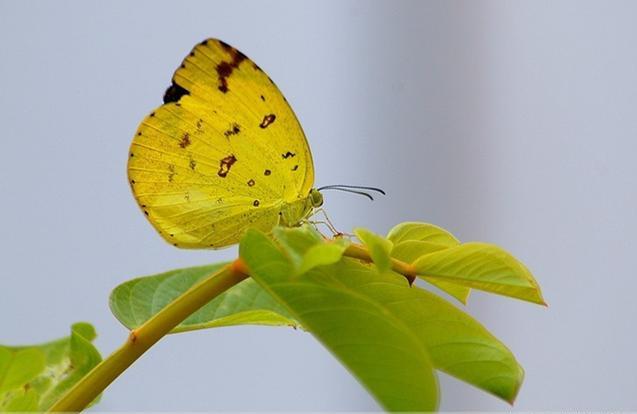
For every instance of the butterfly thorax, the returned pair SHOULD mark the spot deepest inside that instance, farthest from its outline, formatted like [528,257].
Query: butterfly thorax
[292,214]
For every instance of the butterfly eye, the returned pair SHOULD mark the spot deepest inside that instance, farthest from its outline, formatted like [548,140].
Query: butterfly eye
[316,198]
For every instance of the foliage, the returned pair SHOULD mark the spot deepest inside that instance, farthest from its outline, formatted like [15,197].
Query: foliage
[33,377]
[391,336]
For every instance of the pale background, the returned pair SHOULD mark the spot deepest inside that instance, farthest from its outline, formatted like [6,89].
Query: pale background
[508,122]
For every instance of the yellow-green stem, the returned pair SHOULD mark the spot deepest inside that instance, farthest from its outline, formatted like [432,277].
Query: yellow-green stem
[145,336]
[357,251]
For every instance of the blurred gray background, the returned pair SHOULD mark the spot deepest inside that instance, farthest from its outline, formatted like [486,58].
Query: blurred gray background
[507,122]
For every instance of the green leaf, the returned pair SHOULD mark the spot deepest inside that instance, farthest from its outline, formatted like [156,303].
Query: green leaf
[32,378]
[379,248]
[309,251]
[369,319]
[136,301]
[323,254]
[302,238]
[481,266]
[413,240]
[375,346]
[424,232]
[457,343]
[22,403]
[19,366]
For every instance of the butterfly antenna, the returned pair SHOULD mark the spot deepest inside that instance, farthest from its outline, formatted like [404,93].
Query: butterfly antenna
[347,190]
[356,187]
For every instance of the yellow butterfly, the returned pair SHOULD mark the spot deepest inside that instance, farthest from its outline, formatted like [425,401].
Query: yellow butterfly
[223,153]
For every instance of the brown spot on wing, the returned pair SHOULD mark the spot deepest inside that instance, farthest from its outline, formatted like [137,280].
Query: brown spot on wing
[267,172]
[185,140]
[288,155]
[250,182]
[267,120]
[225,69]
[233,130]
[225,165]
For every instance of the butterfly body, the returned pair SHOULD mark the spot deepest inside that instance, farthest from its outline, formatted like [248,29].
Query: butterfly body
[293,213]
[223,153]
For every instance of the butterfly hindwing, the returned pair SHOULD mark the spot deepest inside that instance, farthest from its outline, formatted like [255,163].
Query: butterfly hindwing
[223,153]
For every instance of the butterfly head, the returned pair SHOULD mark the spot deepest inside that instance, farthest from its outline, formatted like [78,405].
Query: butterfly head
[316,198]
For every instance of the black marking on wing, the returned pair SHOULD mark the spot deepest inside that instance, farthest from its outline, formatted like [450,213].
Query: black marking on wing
[174,93]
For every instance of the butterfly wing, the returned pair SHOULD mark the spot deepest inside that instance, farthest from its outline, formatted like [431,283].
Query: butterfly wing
[225,152]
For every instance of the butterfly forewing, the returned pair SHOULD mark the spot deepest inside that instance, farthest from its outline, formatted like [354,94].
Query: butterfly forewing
[222,154]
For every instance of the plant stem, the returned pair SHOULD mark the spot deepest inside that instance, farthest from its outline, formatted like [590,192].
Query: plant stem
[357,251]
[159,325]
[145,336]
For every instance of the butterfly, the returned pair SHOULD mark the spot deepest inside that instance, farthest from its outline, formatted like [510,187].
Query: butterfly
[223,153]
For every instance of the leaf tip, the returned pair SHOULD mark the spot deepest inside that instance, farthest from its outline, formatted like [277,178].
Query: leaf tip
[516,390]
[85,330]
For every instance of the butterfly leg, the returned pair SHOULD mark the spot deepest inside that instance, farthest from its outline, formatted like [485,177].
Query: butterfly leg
[316,224]
[328,223]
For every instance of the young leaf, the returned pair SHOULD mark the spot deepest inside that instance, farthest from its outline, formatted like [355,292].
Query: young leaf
[413,240]
[424,232]
[33,377]
[481,266]
[302,238]
[322,254]
[310,248]
[379,247]
[135,301]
